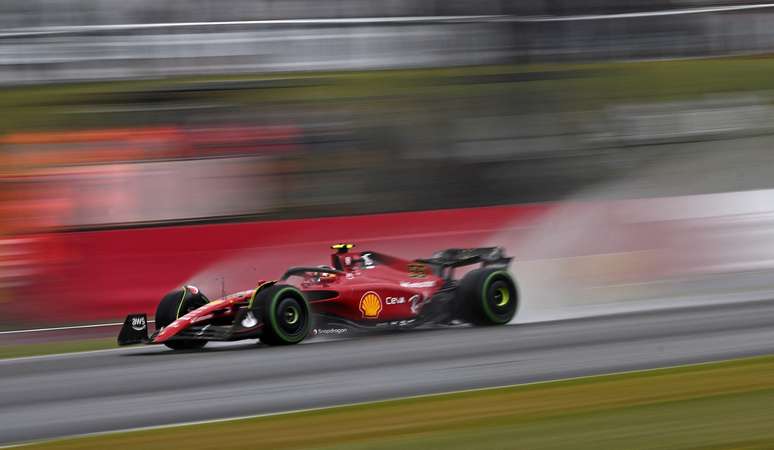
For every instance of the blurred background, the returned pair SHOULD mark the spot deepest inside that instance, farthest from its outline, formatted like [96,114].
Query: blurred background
[619,149]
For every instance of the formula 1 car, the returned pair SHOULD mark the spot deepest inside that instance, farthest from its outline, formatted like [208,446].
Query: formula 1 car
[359,291]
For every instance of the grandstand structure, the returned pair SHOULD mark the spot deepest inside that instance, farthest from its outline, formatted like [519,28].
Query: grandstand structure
[48,40]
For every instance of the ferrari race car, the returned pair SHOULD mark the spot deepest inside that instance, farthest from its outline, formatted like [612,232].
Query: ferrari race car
[359,291]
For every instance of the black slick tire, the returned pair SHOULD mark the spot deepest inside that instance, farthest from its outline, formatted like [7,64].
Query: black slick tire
[487,296]
[175,305]
[286,314]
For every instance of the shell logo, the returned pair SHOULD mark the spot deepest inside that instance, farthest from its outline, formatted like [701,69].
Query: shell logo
[370,305]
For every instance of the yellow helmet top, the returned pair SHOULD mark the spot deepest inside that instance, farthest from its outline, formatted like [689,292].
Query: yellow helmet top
[342,247]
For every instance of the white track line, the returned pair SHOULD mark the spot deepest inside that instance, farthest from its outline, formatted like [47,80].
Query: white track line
[11,32]
[337,21]
[373,402]
[635,15]
[73,327]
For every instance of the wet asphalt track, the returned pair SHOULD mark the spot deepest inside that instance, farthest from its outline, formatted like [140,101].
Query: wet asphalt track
[53,396]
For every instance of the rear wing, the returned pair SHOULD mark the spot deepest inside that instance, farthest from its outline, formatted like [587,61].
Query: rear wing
[448,259]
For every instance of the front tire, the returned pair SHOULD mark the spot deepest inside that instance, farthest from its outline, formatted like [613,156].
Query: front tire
[286,315]
[175,305]
[487,296]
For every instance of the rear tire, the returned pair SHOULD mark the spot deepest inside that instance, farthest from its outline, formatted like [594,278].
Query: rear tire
[487,296]
[286,315]
[175,305]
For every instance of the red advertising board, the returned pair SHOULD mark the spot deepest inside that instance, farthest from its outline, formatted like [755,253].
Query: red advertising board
[103,275]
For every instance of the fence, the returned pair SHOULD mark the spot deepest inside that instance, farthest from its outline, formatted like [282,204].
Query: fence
[145,49]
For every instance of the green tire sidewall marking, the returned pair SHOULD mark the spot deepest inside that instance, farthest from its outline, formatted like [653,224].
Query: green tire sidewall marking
[273,316]
[180,305]
[487,310]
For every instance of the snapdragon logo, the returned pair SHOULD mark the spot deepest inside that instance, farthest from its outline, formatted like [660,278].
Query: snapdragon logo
[329,331]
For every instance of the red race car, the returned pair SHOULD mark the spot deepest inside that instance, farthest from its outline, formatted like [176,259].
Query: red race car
[359,291]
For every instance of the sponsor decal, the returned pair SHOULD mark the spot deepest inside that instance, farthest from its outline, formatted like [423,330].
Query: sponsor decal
[416,304]
[138,323]
[416,270]
[417,284]
[328,331]
[395,300]
[370,305]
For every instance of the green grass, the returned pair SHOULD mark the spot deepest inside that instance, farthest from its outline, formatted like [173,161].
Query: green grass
[728,405]
[48,348]
[590,86]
